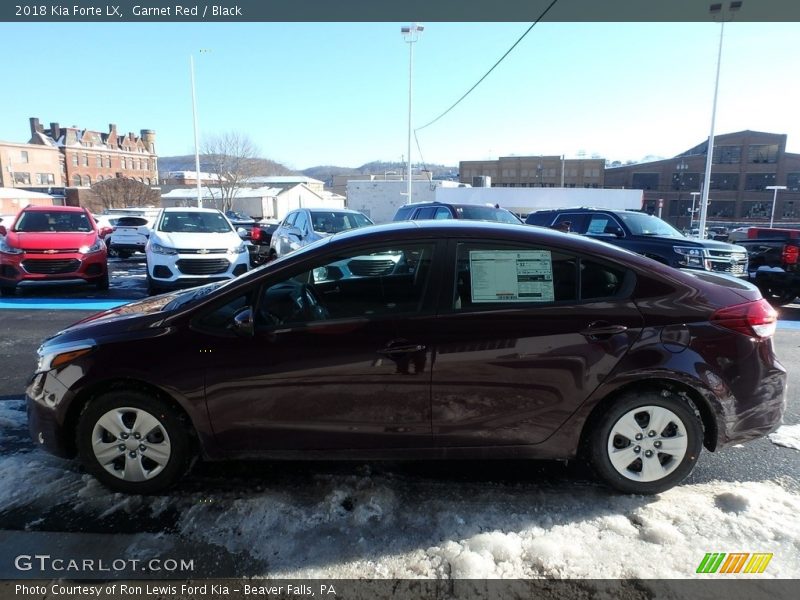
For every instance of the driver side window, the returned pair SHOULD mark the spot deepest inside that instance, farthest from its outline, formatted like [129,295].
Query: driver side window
[366,284]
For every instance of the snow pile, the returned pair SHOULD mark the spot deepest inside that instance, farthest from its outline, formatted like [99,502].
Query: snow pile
[787,436]
[13,420]
[375,527]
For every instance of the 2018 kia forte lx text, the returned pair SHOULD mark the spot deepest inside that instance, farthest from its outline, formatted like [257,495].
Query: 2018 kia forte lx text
[420,340]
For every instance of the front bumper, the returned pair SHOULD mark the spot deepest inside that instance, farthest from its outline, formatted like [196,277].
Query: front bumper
[182,270]
[47,400]
[19,268]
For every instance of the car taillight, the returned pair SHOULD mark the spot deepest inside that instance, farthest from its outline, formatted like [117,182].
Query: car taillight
[790,254]
[255,233]
[754,319]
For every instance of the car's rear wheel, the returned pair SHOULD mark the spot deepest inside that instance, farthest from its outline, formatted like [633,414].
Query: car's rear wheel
[132,442]
[778,297]
[646,443]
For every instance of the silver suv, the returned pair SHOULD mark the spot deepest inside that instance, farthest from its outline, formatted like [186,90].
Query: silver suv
[306,225]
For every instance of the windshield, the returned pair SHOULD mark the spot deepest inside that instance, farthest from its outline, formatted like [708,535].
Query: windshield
[194,222]
[641,224]
[42,221]
[329,221]
[486,213]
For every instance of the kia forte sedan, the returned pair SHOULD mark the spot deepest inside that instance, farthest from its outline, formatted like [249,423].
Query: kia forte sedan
[449,339]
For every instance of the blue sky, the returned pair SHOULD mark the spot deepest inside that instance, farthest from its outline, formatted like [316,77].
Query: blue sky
[337,93]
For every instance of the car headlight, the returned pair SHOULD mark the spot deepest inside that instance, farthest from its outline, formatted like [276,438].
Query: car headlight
[159,249]
[5,248]
[238,249]
[689,256]
[59,355]
[96,247]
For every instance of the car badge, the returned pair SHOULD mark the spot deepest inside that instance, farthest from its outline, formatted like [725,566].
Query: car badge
[51,251]
[203,251]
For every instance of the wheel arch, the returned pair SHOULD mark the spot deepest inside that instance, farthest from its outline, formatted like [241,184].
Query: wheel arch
[656,385]
[89,393]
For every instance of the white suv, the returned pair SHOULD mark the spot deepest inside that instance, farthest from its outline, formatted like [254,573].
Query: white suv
[193,246]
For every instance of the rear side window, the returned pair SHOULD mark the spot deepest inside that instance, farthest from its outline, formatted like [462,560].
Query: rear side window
[492,276]
[425,213]
[442,213]
[577,222]
[599,280]
[403,213]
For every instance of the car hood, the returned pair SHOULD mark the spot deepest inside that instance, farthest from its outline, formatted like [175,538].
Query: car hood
[188,241]
[50,240]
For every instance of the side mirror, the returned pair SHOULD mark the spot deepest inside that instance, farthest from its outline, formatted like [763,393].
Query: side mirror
[242,232]
[617,231]
[243,322]
[3,230]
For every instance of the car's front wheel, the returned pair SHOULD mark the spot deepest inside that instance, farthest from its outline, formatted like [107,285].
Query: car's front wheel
[132,442]
[646,442]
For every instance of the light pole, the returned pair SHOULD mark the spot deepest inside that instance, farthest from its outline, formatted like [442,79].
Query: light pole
[775,189]
[411,34]
[196,137]
[715,9]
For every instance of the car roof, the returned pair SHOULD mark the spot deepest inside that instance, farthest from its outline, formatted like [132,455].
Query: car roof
[322,208]
[183,209]
[54,208]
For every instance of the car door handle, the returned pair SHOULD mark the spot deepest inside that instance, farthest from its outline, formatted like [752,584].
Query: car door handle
[603,329]
[409,349]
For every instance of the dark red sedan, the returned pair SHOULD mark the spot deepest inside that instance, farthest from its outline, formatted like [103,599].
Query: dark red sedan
[420,340]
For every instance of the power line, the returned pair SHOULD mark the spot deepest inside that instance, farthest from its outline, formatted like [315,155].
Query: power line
[469,91]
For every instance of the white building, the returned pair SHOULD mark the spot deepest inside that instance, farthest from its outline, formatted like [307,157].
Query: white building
[379,199]
[266,202]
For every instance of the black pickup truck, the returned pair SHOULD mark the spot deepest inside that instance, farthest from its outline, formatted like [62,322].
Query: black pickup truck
[646,235]
[260,236]
[774,262]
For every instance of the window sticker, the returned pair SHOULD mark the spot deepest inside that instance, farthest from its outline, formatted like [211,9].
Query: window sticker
[509,276]
[597,225]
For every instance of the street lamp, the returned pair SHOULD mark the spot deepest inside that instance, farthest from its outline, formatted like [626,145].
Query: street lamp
[715,9]
[411,34]
[693,211]
[775,189]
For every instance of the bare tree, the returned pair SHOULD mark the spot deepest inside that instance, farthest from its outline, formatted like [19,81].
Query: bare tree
[122,192]
[232,158]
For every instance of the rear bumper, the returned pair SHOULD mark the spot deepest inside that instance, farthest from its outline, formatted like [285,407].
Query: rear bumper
[777,280]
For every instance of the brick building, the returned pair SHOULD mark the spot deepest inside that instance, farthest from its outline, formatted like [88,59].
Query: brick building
[744,164]
[91,156]
[31,166]
[535,171]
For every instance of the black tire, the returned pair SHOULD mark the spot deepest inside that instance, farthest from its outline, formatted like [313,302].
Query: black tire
[637,409]
[169,436]
[152,288]
[102,282]
[778,297]
[112,252]
[7,291]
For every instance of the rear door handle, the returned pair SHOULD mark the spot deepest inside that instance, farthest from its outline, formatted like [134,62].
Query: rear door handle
[604,329]
[409,349]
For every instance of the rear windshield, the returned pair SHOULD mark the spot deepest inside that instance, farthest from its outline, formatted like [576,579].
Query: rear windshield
[486,213]
[30,221]
[131,222]
[328,221]
[194,222]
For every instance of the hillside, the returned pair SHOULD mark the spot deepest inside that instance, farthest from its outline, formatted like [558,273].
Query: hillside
[266,168]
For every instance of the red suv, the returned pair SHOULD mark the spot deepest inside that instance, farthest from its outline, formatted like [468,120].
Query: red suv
[52,243]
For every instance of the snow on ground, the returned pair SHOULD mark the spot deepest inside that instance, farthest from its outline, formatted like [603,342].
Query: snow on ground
[357,521]
[787,436]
